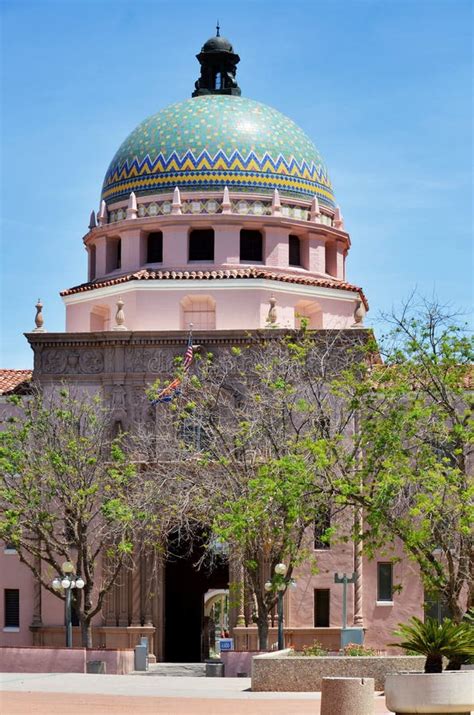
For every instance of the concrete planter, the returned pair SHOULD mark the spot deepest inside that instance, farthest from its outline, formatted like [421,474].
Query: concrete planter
[280,671]
[430,693]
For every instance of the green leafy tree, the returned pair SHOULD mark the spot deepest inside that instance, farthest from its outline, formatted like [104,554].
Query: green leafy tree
[240,434]
[409,466]
[70,492]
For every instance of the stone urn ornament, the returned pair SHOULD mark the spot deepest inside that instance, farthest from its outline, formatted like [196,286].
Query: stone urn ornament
[39,320]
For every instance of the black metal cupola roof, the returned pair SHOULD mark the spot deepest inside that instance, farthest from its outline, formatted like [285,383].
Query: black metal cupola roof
[218,67]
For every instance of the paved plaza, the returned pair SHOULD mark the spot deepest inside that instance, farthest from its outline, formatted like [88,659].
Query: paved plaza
[44,693]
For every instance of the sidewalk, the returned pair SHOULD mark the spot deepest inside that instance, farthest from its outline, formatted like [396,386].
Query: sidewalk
[44,693]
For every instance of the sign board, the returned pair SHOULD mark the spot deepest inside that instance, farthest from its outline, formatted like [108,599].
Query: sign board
[226,644]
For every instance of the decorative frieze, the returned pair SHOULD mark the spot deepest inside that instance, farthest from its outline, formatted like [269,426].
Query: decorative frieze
[210,206]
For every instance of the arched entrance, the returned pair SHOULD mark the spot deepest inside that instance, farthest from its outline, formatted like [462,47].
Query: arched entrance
[185,623]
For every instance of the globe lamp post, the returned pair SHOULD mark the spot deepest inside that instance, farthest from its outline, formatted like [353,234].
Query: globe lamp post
[68,582]
[280,584]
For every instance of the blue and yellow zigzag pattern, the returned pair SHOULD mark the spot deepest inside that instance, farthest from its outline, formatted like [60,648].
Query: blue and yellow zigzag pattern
[205,171]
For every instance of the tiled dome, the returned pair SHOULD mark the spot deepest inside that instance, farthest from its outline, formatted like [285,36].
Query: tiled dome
[212,141]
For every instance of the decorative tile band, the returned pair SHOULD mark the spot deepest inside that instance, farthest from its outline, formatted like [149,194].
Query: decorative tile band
[199,206]
[206,172]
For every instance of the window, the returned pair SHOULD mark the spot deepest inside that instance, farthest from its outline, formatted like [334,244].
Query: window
[251,246]
[200,311]
[321,607]
[321,524]
[436,607]
[114,254]
[384,582]
[201,245]
[154,247]
[331,259]
[194,436]
[12,608]
[294,251]
[218,82]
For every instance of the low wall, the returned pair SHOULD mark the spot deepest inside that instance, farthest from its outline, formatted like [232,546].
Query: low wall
[246,637]
[236,662]
[63,660]
[286,673]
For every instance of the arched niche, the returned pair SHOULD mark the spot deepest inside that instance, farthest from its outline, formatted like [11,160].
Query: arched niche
[200,310]
[308,311]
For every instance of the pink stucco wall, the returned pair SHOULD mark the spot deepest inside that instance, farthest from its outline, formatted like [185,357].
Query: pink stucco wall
[157,305]
[380,619]
[63,660]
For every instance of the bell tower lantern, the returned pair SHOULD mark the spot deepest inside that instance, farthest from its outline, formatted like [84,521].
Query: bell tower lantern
[218,67]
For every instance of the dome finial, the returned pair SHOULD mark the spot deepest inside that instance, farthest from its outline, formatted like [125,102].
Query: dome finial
[218,67]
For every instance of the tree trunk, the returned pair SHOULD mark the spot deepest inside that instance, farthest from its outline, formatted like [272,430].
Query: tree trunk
[434,664]
[86,633]
[262,625]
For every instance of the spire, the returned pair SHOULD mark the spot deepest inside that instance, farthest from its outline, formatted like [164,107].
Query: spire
[218,67]
[132,210]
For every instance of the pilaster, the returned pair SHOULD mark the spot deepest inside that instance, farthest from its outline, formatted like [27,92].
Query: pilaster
[226,244]
[132,250]
[316,255]
[276,246]
[175,245]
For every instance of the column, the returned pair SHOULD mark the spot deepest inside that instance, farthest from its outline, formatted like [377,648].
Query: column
[358,568]
[135,594]
[123,598]
[175,246]
[316,256]
[276,249]
[226,244]
[37,619]
[100,256]
[340,254]
[132,250]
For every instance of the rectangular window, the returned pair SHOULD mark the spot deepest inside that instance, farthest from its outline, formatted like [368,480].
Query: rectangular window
[321,607]
[436,606]
[12,608]
[321,524]
[251,246]
[384,582]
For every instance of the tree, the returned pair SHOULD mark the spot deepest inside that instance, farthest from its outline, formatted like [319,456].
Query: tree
[70,491]
[239,435]
[410,465]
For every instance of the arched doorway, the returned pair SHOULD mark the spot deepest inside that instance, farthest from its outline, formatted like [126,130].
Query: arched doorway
[186,585]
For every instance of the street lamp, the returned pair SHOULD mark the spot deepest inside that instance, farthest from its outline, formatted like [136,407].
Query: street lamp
[68,582]
[280,585]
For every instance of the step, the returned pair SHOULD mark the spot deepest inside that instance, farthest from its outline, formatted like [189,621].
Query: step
[177,670]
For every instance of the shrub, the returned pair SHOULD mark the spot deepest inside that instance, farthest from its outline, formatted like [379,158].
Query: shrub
[357,649]
[435,640]
[315,649]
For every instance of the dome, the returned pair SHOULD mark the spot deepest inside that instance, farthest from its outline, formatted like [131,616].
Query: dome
[213,141]
[217,44]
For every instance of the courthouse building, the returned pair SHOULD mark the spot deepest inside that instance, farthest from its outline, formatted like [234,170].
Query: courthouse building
[216,211]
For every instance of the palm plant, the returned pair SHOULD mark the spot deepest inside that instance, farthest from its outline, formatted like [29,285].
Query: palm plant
[435,640]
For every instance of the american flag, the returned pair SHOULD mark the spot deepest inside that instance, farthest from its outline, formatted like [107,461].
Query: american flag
[188,355]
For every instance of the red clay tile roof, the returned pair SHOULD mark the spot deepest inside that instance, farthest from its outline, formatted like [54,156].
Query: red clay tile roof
[218,275]
[11,380]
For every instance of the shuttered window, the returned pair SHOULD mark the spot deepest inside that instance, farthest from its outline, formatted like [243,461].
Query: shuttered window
[12,608]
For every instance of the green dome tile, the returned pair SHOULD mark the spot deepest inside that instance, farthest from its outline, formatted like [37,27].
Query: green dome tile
[214,141]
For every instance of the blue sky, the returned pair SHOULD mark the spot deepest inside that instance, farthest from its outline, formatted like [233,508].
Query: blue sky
[383,87]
